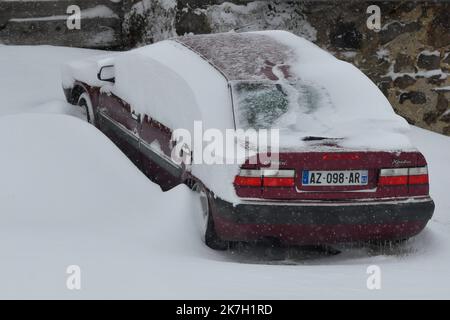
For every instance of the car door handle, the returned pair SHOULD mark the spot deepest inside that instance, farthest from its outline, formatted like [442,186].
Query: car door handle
[135,116]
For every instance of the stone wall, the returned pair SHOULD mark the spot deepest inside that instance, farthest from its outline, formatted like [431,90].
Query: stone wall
[409,58]
[45,22]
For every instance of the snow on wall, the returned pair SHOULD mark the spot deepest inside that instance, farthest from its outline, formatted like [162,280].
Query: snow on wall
[100,11]
[149,21]
[45,22]
[258,15]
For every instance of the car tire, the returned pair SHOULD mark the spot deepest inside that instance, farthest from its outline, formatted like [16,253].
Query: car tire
[208,231]
[85,102]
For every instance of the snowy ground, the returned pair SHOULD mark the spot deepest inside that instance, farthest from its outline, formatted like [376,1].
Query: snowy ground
[68,196]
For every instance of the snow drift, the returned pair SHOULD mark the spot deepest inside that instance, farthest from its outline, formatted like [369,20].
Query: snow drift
[70,197]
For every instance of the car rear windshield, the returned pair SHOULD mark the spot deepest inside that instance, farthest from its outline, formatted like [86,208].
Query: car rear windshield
[290,106]
[258,105]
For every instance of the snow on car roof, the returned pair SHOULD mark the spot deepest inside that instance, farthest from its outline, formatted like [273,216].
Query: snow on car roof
[240,56]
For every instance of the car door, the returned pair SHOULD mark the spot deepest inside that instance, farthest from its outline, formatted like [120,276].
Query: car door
[120,124]
[166,102]
[156,148]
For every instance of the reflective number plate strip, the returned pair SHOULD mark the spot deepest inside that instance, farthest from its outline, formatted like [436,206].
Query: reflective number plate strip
[335,178]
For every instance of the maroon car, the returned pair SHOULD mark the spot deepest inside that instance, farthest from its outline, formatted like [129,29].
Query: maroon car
[345,171]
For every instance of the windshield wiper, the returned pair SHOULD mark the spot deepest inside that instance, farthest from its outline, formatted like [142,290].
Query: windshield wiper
[315,138]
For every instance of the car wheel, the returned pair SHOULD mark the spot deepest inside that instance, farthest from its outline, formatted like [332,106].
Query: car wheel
[207,228]
[84,101]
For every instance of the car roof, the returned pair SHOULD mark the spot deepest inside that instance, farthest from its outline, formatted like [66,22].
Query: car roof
[241,56]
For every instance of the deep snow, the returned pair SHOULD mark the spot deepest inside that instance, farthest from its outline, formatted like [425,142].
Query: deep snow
[68,196]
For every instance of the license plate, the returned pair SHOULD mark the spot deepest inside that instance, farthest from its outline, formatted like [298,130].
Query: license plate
[335,178]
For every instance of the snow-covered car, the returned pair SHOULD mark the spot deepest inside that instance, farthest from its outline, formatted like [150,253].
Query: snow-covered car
[346,170]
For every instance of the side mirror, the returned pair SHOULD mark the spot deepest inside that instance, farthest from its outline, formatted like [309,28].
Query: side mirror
[107,73]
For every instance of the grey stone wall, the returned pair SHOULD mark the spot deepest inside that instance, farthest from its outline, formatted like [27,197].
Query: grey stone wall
[44,22]
[409,58]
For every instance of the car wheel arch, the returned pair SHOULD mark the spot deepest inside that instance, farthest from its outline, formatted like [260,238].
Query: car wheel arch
[80,88]
[77,91]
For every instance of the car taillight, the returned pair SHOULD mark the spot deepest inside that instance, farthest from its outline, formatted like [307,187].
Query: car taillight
[278,178]
[403,176]
[418,175]
[265,178]
[391,177]
[248,178]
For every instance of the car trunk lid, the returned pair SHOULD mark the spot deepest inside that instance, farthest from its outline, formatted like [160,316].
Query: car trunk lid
[369,165]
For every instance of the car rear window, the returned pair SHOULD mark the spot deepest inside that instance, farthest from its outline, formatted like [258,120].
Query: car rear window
[293,107]
[258,105]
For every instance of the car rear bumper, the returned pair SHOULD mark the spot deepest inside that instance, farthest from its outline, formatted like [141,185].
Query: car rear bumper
[321,223]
